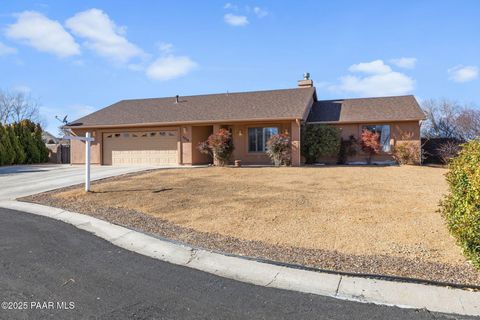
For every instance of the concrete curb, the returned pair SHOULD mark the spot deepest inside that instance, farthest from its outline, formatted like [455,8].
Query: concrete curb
[402,294]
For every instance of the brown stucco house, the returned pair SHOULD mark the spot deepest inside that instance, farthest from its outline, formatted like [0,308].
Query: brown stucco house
[166,131]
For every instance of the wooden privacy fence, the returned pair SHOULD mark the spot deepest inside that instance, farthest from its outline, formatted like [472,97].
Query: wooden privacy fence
[59,153]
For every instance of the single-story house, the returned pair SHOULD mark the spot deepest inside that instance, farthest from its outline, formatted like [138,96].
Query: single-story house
[166,131]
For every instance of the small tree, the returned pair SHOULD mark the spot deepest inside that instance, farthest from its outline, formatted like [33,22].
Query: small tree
[319,141]
[279,149]
[218,144]
[370,143]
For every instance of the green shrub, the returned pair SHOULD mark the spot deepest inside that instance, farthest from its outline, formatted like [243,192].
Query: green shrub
[348,148]
[279,149]
[319,141]
[407,152]
[461,207]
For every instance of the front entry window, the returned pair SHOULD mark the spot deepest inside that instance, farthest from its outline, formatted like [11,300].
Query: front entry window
[258,137]
[384,133]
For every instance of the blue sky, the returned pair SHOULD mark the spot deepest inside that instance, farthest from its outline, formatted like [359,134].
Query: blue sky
[79,56]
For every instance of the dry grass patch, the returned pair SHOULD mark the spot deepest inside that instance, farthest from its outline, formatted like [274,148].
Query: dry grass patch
[374,211]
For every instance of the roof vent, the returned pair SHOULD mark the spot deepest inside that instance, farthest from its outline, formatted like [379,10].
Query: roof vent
[306,82]
[176,98]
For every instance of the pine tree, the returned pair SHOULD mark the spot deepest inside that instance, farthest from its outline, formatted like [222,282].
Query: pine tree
[16,145]
[42,148]
[9,152]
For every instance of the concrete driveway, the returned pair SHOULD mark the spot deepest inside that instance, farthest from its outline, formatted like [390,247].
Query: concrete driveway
[23,180]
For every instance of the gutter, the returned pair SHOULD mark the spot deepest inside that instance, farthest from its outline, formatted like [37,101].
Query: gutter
[155,124]
[363,121]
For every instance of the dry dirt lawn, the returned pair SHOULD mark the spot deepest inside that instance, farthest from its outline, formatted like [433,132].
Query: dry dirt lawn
[381,220]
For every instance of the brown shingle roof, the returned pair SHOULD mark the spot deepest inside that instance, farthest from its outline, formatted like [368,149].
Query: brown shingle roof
[257,105]
[400,108]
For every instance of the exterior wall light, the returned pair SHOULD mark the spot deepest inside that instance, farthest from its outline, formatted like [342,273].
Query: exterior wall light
[240,132]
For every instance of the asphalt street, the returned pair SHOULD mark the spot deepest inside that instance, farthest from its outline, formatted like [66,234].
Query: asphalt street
[55,271]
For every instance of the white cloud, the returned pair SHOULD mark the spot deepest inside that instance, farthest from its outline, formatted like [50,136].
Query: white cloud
[165,47]
[407,63]
[231,6]
[235,20]
[103,36]
[463,73]
[170,67]
[38,31]
[6,50]
[373,67]
[259,12]
[379,81]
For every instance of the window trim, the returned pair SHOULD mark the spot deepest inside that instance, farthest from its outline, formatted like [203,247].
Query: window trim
[247,137]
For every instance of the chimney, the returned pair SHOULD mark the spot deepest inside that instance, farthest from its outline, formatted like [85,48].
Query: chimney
[306,82]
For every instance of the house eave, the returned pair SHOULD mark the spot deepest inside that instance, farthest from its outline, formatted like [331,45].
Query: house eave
[178,123]
[362,121]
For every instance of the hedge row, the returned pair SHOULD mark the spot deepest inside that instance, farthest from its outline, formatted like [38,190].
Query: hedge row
[461,207]
[21,143]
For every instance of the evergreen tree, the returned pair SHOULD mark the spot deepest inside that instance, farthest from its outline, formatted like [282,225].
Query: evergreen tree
[16,145]
[9,152]
[42,148]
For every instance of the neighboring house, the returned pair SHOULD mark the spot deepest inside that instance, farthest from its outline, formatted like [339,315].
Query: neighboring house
[166,131]
[58,148]
[49,138]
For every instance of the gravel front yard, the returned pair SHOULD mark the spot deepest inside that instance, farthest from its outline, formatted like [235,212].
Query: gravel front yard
[381,220]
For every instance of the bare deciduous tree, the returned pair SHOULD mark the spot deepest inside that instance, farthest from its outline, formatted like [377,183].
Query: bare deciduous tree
[468,122]
[17,106]
[441,118]
[449,119]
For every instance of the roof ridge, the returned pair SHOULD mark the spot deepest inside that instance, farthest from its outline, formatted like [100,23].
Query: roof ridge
[218,94]
[384,97]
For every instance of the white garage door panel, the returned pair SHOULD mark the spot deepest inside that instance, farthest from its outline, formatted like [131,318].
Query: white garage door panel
[140,148]
[152,157]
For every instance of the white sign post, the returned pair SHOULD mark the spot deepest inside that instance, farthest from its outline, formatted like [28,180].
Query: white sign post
[88,140]
[87,161]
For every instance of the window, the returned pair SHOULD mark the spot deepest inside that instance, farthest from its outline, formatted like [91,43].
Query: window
[258,137]
[384,132]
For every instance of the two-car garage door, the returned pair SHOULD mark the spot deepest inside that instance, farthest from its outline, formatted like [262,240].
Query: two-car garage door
[140,148]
